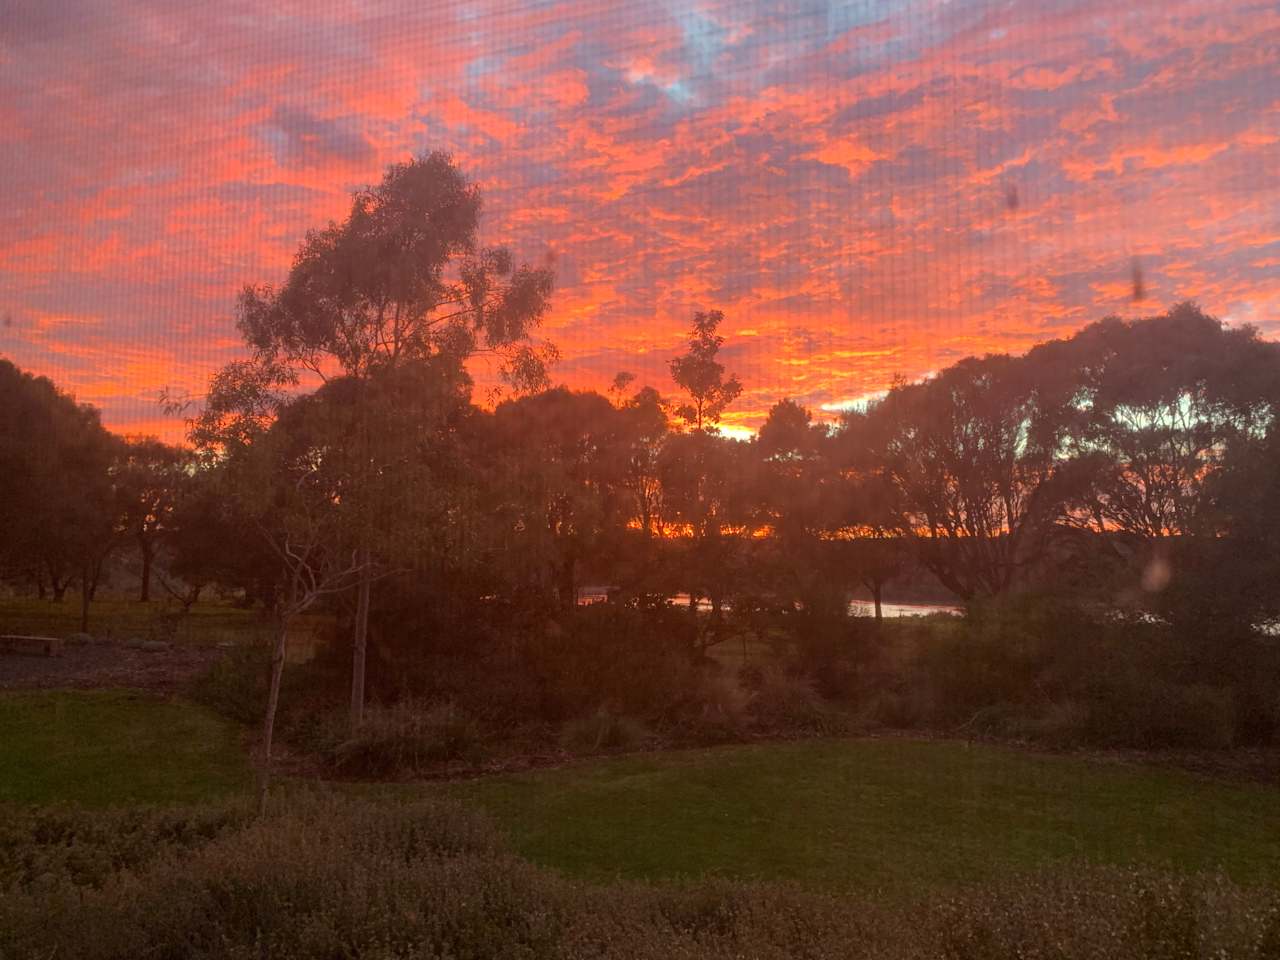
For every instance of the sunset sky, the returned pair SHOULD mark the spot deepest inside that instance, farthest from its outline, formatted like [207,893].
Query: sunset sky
[866,187]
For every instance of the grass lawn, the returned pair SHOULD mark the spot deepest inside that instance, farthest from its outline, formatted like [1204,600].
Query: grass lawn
[875,815]
[878,816]
[110,748]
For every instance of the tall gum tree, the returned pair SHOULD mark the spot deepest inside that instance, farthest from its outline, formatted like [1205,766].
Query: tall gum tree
[402,279]
[58,498]
[971,456]
[288,468]
[697,483]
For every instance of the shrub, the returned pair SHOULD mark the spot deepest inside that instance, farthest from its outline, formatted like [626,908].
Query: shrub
[1063,723]
[1103,913]
[512,666]
[903,706]
[637,661]
[603,731]
[46,849]
[407,739]
[784,703]
[1152,713]
[236,684]
[994,660]
[322,878]
[1053,672]
[720,712]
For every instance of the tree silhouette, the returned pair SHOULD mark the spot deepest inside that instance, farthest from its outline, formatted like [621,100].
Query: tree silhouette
[972,458]
[401,280]
[58,505]
[701,375]
[149,478]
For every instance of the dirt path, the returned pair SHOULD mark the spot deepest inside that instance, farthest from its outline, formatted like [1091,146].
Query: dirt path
[108,665]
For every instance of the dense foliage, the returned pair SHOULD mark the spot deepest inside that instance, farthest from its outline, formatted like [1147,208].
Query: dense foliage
[1104,507]
[326,878]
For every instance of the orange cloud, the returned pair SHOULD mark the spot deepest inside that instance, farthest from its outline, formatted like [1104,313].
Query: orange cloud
[864,193]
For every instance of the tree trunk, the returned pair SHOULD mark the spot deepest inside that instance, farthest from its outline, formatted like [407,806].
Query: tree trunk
[568,588]
[95,575]
[58,584]
[269,720]
[144,545]
[86,595]
[359,641]
[876,589]
[41,591]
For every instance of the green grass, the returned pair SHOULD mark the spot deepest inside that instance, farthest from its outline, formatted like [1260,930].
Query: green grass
[875,815]
[112,748]
[878,816]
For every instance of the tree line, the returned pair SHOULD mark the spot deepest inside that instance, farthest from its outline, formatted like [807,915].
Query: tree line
[1131,467]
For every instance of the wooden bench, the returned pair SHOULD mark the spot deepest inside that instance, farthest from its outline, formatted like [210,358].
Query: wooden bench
[32,646]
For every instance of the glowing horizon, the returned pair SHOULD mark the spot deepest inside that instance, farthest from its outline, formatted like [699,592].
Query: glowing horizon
[865,188]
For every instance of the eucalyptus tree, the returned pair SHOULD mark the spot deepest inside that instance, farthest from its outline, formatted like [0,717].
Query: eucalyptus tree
[1157,407]
[1162,411]
[971,457]
[401,279]
[702,489]
[561,466]
[869,511]
[803,506]
[297,470]
[709,515]
[58,504]
[150,476]
[645,427]
[284,486]
[202,542]
[699,374]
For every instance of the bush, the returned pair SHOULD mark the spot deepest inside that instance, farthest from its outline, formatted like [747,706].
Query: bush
[603,731]
[236,684]
[1049,671]
[48,849]
[637,661]
[322,878]
[903,706]
[1064,723]
[1103,913]
[784,703]
[1152,713]
[513,666]
[720,712]
[407,739]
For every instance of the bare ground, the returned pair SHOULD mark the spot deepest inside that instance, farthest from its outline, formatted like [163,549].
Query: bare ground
[108,665]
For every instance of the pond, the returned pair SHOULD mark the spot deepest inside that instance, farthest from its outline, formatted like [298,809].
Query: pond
[857,608]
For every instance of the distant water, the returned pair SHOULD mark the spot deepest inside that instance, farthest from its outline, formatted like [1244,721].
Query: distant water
[865,608]
[857,608]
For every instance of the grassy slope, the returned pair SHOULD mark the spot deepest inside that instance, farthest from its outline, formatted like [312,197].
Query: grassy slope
[892,815]
[876,815]
[111,748]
